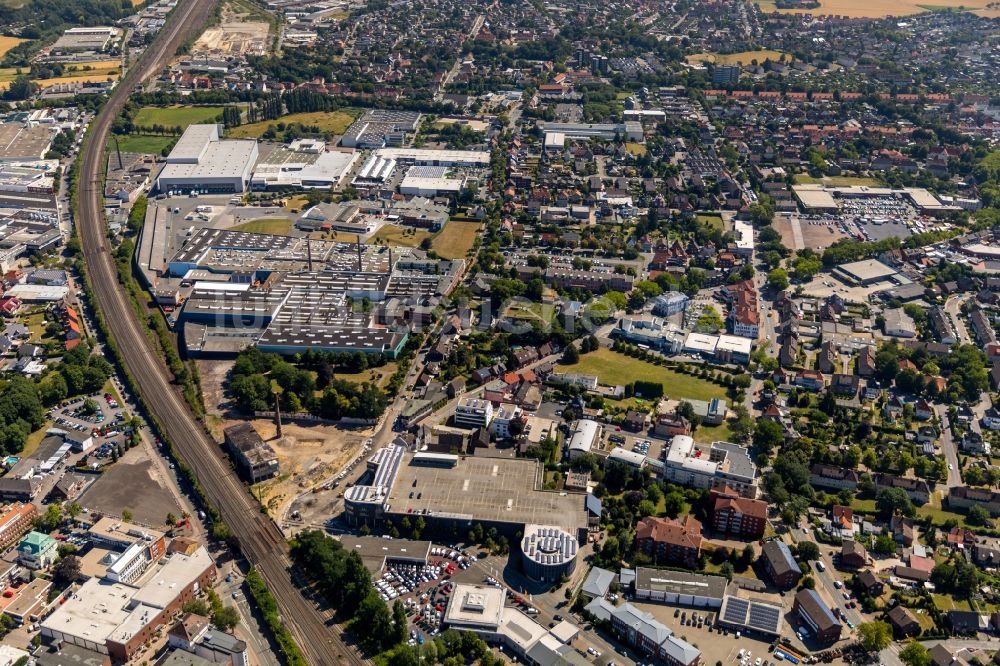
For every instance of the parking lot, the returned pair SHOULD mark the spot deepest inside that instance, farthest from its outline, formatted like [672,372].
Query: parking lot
[100,415]
[647,446]
[716,644]
[423,589]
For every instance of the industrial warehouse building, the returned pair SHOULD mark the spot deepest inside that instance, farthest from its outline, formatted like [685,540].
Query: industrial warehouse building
[304,164]
[202,161]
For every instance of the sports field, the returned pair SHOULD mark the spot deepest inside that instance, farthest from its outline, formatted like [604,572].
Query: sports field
[742,58]
[874,8]
[7,43]
[335,122]
[616,369]
[456,239]
[176,116]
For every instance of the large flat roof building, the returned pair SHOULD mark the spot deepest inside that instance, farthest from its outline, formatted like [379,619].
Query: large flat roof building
[300,167]
[118,619]
[204,162]
[865,272]
[725,464]
[499,492]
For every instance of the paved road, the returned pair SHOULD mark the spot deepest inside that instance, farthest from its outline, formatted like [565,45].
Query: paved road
[948,447]
[261,541]
[953,308]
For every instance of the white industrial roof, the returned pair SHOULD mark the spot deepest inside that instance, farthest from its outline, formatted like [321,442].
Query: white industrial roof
[700,342]
[475,605]
[584,436]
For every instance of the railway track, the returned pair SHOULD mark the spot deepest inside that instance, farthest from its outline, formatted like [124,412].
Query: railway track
[261,541]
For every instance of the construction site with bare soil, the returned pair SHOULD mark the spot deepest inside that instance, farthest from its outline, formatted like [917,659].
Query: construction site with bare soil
[244,30]
[309,454]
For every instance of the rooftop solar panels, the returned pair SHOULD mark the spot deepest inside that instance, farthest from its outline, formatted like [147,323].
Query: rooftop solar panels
[764,617]
[735,610]
[749,614]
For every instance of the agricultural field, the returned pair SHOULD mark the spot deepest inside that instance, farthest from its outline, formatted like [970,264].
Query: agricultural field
[743,58]
[456,239]
[873,9]
[85,72]
[176,116]
[7,43]
[267,225]
[615,369]
[334,122]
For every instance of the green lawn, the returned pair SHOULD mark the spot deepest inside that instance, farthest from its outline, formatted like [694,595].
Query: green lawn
[278,226]
[946,602]
[142,143]
[708,434]
[176,116]
[714,221]
[934,510]
[531,311]
[616,369]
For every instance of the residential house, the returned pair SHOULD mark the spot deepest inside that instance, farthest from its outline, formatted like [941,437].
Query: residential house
[904,622]
[852,554]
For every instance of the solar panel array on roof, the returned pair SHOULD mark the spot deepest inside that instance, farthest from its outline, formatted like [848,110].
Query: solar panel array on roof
[736,610]
[764,617]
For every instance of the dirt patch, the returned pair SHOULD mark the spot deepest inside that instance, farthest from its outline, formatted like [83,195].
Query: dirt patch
[234,38]
[134,484]
[309,454]
[813,236]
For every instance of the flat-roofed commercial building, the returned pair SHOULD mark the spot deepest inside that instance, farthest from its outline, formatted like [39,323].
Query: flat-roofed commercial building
[865,272]
[117,619]
[376,552]
[303,168]
[680,587]
[751,615]
[724,464]
[204,162]
[497,492]
[473,413]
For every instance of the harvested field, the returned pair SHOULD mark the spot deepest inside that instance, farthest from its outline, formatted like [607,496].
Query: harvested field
[743,58]
[334,122]
[7,43]
[865,9]
[456,239]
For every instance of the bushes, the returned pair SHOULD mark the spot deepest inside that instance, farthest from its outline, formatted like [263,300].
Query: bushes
[269,609]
